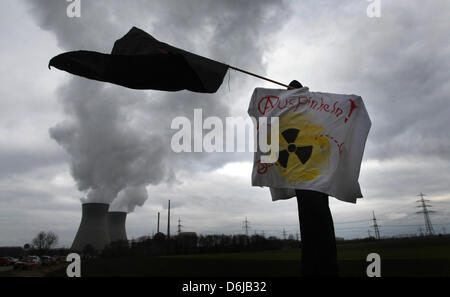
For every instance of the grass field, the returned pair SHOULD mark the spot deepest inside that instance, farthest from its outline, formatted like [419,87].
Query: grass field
[405,257]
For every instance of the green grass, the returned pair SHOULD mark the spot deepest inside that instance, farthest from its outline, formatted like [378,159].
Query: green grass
[276,255]
[416,248]
[406,257]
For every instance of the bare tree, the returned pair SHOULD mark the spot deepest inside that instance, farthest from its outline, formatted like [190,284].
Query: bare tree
[44,240]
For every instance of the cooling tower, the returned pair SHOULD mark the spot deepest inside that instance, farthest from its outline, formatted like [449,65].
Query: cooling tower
[116,225]
[93,228]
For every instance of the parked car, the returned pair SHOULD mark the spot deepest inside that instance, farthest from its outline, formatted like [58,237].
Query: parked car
[48,260]
[62,259]
[35,259]
[4,261]
[27,263]
[12,260]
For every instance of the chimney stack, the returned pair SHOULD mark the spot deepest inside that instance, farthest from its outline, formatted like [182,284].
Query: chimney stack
[158,223]
[168,222]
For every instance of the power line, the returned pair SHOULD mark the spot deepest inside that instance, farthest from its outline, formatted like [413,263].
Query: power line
[420,231]
[350,222]
[349,226]
[426,212]
[276,225]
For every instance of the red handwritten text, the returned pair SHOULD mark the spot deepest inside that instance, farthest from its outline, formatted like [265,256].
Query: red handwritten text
[263,167]
[269,103]
[352,107]
[339,144]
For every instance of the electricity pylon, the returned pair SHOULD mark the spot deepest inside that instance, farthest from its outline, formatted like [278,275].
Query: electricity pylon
[375,226]
[246,226]
[179,225]
[428,226]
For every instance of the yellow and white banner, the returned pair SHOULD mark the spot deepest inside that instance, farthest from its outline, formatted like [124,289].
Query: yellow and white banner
[321,142]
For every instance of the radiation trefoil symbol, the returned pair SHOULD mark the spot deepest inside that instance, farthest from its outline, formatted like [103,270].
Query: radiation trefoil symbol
[303,153]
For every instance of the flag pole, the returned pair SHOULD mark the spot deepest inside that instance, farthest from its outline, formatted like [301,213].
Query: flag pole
[261,77]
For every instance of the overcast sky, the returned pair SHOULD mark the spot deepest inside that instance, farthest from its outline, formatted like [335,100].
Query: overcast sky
[399,63]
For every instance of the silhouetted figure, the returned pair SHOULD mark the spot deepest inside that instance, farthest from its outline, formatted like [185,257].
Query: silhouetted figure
[296,84]
[319,253]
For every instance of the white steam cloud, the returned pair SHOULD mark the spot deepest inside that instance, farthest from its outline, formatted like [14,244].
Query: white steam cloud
[129,198]
[117,139]
[109,150]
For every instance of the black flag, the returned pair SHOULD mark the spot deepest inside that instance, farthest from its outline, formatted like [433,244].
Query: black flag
[139,61]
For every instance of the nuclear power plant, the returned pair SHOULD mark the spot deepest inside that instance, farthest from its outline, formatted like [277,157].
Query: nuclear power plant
[99,227]
[116,225]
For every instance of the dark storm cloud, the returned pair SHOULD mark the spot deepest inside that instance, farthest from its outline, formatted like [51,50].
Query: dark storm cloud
[399,64]
[23,160]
